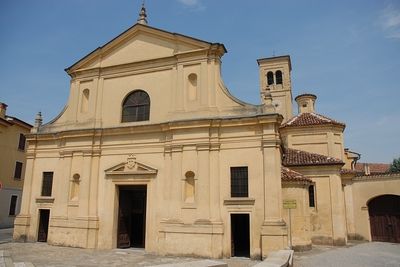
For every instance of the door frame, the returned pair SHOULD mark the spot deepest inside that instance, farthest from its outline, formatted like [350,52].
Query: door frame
[231,231]
[116,211]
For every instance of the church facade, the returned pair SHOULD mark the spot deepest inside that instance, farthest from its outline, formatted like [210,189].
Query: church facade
[153,151]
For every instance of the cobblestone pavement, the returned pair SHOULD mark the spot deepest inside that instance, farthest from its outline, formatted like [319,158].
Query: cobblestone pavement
[42,254]
[374,254]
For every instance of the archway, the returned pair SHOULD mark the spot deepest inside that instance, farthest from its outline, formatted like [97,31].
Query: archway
[384,218]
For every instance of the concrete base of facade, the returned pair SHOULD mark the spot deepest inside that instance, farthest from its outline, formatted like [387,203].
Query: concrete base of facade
[273,237]
[327,240]
[205,240]
[21,229]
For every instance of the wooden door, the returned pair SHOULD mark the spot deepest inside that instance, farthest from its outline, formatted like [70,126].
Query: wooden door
[384,214]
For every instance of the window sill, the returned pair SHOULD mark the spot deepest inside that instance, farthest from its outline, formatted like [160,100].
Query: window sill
[45,200]
[239,201]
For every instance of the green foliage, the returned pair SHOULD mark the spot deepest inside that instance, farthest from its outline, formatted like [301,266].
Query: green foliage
[395,165]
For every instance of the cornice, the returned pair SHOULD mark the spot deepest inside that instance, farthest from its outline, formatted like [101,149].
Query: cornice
[313,128]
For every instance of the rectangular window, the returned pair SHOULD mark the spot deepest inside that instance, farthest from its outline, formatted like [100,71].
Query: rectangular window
[13,205]
[18,170]
[239,182]
[22,141]
[47,184]
[311,199]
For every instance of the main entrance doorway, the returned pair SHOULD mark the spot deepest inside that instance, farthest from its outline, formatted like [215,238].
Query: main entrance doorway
[384,217]
[240,236]
[132,216]
[44,216]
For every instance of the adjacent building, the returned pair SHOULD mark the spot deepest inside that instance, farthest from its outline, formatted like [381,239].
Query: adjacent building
[12,165]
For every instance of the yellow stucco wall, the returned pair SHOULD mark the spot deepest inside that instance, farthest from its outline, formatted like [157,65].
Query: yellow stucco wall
[359,192]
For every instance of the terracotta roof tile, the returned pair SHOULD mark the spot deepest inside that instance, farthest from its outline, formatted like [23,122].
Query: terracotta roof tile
[394,175]
[307,119]
[374,168]
[289,175]
[294,157]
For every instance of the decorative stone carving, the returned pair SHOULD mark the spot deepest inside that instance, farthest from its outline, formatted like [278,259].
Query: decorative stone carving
[131,162]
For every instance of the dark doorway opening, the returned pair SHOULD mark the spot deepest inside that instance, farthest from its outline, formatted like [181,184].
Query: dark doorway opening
[240,242]
[44,216]
[132,216]
[384,218]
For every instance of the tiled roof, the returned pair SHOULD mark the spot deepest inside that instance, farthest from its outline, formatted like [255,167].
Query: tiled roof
[380,176]
[294,157]
[374,168]
[289,175]
[307,119]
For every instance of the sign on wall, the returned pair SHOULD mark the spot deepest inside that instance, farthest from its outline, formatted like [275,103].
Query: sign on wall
[289,204]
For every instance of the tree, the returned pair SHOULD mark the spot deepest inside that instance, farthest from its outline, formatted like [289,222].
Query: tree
[395,165]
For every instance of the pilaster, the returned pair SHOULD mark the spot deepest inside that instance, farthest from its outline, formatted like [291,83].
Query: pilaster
[274,229]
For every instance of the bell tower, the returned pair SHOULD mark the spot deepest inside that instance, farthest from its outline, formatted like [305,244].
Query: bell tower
[275,80]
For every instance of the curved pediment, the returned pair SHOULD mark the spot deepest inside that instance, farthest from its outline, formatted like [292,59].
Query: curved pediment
[131,167]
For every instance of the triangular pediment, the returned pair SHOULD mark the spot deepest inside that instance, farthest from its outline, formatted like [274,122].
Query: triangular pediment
[131,167]
[138,43]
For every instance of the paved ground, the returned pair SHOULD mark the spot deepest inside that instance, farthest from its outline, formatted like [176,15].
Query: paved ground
[41,254]
[6,235]
[375,254]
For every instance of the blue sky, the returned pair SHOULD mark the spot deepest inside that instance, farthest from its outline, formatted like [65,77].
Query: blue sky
[345,52]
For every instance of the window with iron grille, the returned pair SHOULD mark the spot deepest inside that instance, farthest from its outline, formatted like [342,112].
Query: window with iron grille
[21,143]
[13,205]
[47,184]
[239,182]
[18,170]
[311,199]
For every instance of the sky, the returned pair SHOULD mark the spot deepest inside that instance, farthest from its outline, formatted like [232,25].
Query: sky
[345,52]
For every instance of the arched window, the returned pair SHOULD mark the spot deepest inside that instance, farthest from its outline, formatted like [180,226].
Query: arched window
[270,78]
[136,107]
[278,75]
